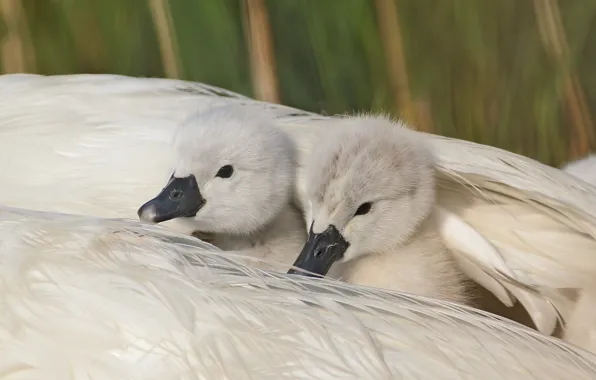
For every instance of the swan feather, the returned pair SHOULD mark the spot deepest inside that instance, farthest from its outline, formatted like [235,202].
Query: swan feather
[86,298]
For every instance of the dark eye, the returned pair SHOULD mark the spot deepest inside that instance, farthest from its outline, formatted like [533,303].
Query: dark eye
[225,171]
[363,209]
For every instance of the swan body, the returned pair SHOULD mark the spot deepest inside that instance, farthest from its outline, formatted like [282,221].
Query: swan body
[88,298]
[94,144]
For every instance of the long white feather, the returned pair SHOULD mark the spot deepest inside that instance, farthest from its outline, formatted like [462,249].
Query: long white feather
[84,298]
[458,235]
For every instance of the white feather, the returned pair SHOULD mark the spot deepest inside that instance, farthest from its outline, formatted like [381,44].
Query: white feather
[458,235]
[84,298]
[112,131]
[584,168]
[581,324]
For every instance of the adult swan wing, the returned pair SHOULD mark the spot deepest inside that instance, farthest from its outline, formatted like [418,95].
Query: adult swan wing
[98,145]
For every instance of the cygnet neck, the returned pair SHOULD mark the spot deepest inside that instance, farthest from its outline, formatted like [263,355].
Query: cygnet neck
[274,248]
[422,266]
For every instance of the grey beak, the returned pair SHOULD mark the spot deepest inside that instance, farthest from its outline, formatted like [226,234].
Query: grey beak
[180,198]
[320,252]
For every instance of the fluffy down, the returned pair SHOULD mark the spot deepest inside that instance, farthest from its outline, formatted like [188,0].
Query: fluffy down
[374,182]
[250,208]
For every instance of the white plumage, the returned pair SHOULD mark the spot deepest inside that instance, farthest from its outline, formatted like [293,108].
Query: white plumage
[584,168]
[84,298]
[581,324]
[533,226]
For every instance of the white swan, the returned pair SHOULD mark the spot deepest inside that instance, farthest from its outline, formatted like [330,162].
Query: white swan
[232,185]
[93,143]
[85,298]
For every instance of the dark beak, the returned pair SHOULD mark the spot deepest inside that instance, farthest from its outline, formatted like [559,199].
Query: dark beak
[180,198]
[320,252]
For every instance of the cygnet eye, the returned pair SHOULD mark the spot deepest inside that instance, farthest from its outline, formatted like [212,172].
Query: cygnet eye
[363,209]
[225,171]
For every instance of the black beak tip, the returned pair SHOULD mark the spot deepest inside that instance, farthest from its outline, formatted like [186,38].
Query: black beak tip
[147,213]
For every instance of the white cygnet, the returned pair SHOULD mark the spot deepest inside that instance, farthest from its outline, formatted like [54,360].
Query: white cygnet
[371,184]
[232,185]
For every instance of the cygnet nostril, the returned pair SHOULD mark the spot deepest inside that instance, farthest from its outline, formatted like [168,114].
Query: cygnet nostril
[175,195]
[318,252]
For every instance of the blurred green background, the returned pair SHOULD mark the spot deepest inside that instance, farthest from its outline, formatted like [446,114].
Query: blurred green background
[517,74]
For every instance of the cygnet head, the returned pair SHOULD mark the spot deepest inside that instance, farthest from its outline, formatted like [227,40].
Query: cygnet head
[371,183]
[233,173]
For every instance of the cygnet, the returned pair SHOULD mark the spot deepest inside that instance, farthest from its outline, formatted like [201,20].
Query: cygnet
[232,185]
[371,185]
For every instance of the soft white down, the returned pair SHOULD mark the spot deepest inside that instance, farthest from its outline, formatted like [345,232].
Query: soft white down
[232,184]
[372,189]
[84,298]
